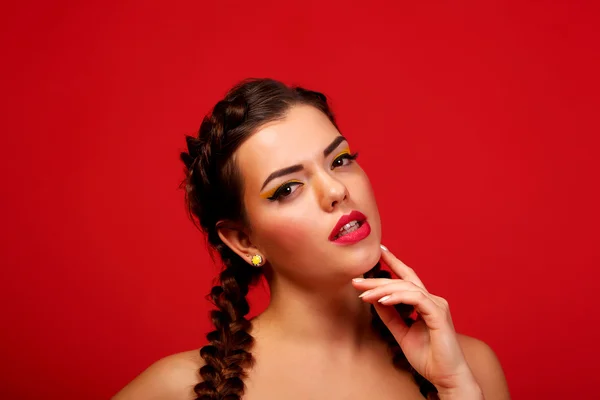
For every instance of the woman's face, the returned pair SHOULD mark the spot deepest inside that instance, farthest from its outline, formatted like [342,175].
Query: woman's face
[292,215]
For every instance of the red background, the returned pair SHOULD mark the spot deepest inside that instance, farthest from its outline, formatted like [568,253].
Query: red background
[476,122]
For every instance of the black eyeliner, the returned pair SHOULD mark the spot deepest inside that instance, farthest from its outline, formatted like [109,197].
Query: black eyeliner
[277,192]
[348,156]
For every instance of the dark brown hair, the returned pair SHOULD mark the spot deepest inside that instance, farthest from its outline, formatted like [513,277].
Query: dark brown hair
[213,189]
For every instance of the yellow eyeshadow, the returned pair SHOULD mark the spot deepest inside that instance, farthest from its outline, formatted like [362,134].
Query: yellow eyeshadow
[271,192]
[347,151]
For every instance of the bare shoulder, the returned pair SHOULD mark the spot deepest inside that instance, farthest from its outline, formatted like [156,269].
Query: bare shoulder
[171,377]
[486,367]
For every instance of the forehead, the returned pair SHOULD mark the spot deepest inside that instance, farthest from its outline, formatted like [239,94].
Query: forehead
[302,135]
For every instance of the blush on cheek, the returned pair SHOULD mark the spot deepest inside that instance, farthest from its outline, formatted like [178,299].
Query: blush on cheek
[291,235]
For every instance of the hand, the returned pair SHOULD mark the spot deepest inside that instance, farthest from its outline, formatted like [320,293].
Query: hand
[430,344]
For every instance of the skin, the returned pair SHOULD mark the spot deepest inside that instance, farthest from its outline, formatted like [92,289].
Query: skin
[314,339]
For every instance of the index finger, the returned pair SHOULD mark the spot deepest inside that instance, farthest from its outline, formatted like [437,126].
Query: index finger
[402,270]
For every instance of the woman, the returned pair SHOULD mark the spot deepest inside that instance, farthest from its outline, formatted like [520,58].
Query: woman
[279,194]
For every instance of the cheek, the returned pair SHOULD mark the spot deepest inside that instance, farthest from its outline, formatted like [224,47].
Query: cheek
[361,190]
[365,197]
[287,234]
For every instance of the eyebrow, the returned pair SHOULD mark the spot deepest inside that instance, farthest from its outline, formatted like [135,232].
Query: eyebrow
[299,167]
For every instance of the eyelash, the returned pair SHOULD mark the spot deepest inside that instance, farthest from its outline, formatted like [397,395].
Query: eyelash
[345,156]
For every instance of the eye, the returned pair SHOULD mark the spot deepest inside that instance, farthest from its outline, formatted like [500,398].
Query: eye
[285,190]
[343,160]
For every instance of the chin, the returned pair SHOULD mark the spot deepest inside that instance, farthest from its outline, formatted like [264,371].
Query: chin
[363,261]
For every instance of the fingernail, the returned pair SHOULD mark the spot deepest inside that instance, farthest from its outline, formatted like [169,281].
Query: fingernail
[357,280]
[383,247]
[384,298]
[365,293]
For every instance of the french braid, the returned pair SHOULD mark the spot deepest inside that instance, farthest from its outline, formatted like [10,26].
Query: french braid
[227,354]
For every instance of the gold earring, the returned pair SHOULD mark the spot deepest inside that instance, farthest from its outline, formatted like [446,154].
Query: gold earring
[257,260]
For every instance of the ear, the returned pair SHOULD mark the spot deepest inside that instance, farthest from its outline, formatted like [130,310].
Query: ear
[235,237]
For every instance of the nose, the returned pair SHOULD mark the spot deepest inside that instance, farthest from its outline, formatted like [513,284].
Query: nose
[333,192]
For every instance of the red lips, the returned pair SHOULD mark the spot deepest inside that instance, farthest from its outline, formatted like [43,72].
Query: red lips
[353,216]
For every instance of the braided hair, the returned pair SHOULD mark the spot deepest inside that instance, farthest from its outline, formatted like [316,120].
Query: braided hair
[213,189]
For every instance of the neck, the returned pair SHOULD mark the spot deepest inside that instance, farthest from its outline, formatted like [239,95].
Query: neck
[331,317]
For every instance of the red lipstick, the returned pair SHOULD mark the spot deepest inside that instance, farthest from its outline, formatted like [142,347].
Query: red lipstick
[356,235]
